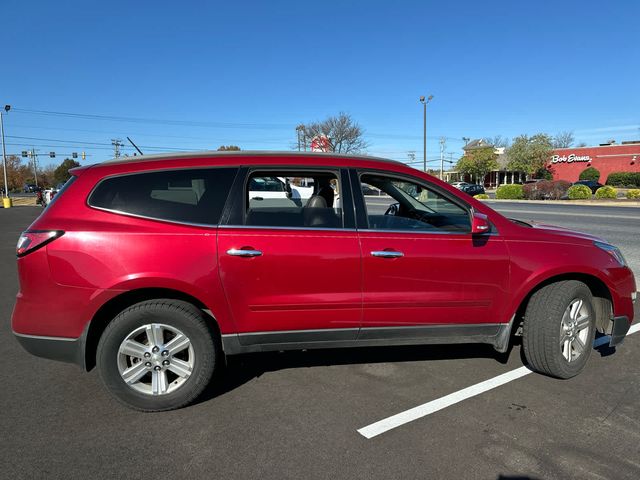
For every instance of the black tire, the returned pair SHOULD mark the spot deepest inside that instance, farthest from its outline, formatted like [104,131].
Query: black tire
[543,329]
[180,316]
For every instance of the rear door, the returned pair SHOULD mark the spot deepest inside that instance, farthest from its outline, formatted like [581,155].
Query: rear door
[290,266]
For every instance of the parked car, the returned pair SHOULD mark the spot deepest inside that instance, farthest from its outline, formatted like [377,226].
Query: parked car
[154,268]
[29,188]
[592,184]
[469,188]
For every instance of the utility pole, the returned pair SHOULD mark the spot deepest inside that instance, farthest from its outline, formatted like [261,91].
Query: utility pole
[117,143]
[4,153]
[424,128]
[443,142]
[34,159]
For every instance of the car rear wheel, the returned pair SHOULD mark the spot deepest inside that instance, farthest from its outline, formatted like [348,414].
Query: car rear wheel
[157,355]
[559,327]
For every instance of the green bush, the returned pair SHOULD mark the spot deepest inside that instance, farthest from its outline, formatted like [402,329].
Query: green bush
[590,174]
[634,194]
[606,192]
[509,192]
[624,179]
[579,192]
[484,196]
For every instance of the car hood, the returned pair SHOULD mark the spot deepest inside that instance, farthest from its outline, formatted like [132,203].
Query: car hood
[565,231]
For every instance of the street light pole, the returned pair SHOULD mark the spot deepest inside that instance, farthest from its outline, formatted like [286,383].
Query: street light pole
[4,153]
[424,128]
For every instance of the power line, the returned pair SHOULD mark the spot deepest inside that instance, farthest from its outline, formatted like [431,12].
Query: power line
[114,118]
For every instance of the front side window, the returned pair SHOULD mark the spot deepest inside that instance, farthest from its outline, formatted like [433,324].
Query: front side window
[189,196]
[395,204]
[303,199]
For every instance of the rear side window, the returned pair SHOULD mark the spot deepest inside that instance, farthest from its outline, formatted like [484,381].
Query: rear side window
[191,196]
[305,199]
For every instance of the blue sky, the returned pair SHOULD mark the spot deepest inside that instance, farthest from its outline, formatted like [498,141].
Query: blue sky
[246,73]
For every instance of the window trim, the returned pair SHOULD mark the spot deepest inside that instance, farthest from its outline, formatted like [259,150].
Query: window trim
[156,170]
[238,209]
[364,217]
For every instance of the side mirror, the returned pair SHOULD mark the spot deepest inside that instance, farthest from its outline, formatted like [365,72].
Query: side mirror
[480,224]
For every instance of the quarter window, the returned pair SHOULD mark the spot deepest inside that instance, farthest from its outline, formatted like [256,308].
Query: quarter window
[190,196]
[394,204]
[293,199]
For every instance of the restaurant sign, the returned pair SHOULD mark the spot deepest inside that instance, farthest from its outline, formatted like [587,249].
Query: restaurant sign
[570,158]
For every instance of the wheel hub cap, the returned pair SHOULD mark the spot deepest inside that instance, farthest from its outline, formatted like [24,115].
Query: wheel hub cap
[574,330]
[155,359]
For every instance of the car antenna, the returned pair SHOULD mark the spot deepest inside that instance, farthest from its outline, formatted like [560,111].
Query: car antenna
[135,146]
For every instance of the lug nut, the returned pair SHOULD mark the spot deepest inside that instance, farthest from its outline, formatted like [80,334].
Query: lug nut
[165,363]
[147,354]
[157,367]
[147,364]
[165,353]
[155,349]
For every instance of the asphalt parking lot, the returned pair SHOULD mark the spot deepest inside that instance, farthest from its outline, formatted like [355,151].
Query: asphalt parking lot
[298,414]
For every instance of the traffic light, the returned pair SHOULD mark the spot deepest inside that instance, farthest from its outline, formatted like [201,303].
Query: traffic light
[52,154]
[25,154]
[74,155]
[84,156]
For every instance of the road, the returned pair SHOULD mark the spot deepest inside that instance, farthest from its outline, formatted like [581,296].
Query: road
[297,414]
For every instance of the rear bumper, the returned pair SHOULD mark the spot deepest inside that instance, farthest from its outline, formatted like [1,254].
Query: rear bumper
[619,330]
[70,350]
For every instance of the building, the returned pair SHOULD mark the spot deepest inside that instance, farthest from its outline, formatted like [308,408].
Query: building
[568,163]
[564,164]
[502,175]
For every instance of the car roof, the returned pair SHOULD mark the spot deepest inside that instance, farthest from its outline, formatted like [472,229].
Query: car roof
[243,154]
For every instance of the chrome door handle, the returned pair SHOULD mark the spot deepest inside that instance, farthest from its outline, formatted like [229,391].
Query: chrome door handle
[238,252]
[387,254]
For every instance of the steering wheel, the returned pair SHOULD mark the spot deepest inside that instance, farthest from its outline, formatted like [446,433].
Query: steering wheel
[393,209]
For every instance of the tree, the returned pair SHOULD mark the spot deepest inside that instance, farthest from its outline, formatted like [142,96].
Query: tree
[61,174]
[15,173]
[590,173]
[563,140]
[228,148]
[529,154]
[497,141]
[345,135]
[478,162]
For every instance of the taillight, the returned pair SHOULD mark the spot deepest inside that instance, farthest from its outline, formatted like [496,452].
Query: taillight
[34,239]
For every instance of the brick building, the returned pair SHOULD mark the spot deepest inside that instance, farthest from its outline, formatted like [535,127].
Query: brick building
[567,163]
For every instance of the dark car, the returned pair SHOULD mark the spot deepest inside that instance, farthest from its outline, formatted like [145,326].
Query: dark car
[472,189]
[155,268]
[592,184]
[30,188]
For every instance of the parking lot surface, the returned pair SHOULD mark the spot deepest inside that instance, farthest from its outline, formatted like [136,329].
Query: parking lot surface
[297,414]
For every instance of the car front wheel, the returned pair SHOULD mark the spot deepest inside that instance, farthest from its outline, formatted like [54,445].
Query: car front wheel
[559,328]
[157,355]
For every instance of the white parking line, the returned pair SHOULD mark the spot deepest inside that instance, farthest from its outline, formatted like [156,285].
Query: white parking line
[428,408]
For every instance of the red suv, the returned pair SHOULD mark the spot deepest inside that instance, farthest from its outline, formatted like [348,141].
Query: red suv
[153,268]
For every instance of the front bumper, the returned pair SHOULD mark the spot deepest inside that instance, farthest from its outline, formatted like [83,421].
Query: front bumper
[70,350]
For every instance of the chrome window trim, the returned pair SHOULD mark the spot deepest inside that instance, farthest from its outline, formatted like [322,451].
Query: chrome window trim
[364,230]
[309,229]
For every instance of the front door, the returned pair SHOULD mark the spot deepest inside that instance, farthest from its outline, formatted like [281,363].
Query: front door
[291,268]
[421,265]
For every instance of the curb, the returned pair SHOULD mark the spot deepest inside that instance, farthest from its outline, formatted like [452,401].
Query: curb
[592,203]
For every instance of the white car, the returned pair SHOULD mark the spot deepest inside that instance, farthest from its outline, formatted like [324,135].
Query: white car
[277,187]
